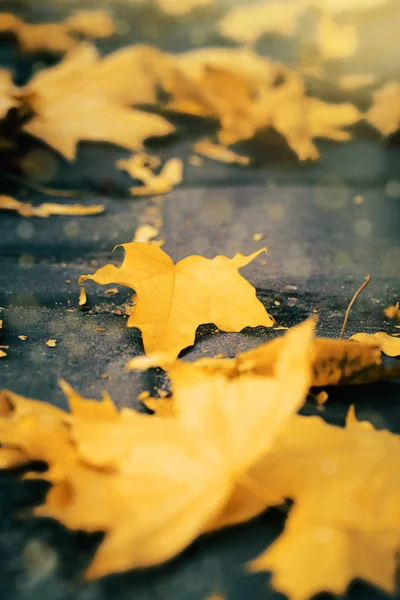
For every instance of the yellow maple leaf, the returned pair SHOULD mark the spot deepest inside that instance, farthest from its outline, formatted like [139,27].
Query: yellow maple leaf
[336,41]
[158,473]
[245,24]
[249,94]
[384,113]
[173,300]
[388,344]
[26,209]
[393,311]
[56,37]
[334,362]
[346,519]
[70,106]
[92,23]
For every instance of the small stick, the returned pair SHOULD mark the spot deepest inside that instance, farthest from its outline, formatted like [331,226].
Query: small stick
[354,298]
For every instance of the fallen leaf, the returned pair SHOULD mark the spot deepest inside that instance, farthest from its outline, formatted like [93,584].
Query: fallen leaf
[50,37]
[388,344]
[345,519]
[334,40]
[356,81]
[213,289]
[91,23]
[219,153]
[51,343]
[56,37]
[393,312]
[82,296]
[100,329]
[23,337]
[75,101]
[124,459]
[145,234]
[384,113]
[47,209]
[245,24]
[249,94]
[2,354]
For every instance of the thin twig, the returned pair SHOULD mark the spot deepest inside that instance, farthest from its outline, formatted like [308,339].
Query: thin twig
[37,187]
[354,298]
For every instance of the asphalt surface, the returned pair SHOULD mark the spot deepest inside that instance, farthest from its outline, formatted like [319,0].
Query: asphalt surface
[322,241]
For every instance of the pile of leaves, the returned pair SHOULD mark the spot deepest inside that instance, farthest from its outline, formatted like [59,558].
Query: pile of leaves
[225,442]
[229,446]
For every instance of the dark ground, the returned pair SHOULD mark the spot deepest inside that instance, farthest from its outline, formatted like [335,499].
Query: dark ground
[321,246]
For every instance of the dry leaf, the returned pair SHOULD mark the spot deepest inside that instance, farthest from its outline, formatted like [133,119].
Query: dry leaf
[23,337]
[345,521]
[356,81]
[56,37]
[334,362]
[384,113]
[170,175]
[145,234]
[388,344]
[82,296]
[213,289]
[2,354]
[51,37]
[393,312]
[47,209]
[336,41]
[91,23]
[248,94]
[219,152]
[75,101]
[124,459]
[245,24]
[51,343]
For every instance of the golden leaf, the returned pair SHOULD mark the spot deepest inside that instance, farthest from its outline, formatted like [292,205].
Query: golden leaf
[249,94]
[56,37]
[139,167]
[47,209]
[218,152]
[245,24]
[384,113]
[336,41]
[388,344]
[124,459]
[393,312]
[345,522]
[71,106]
[82,297]
[92,23]
[213,289]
